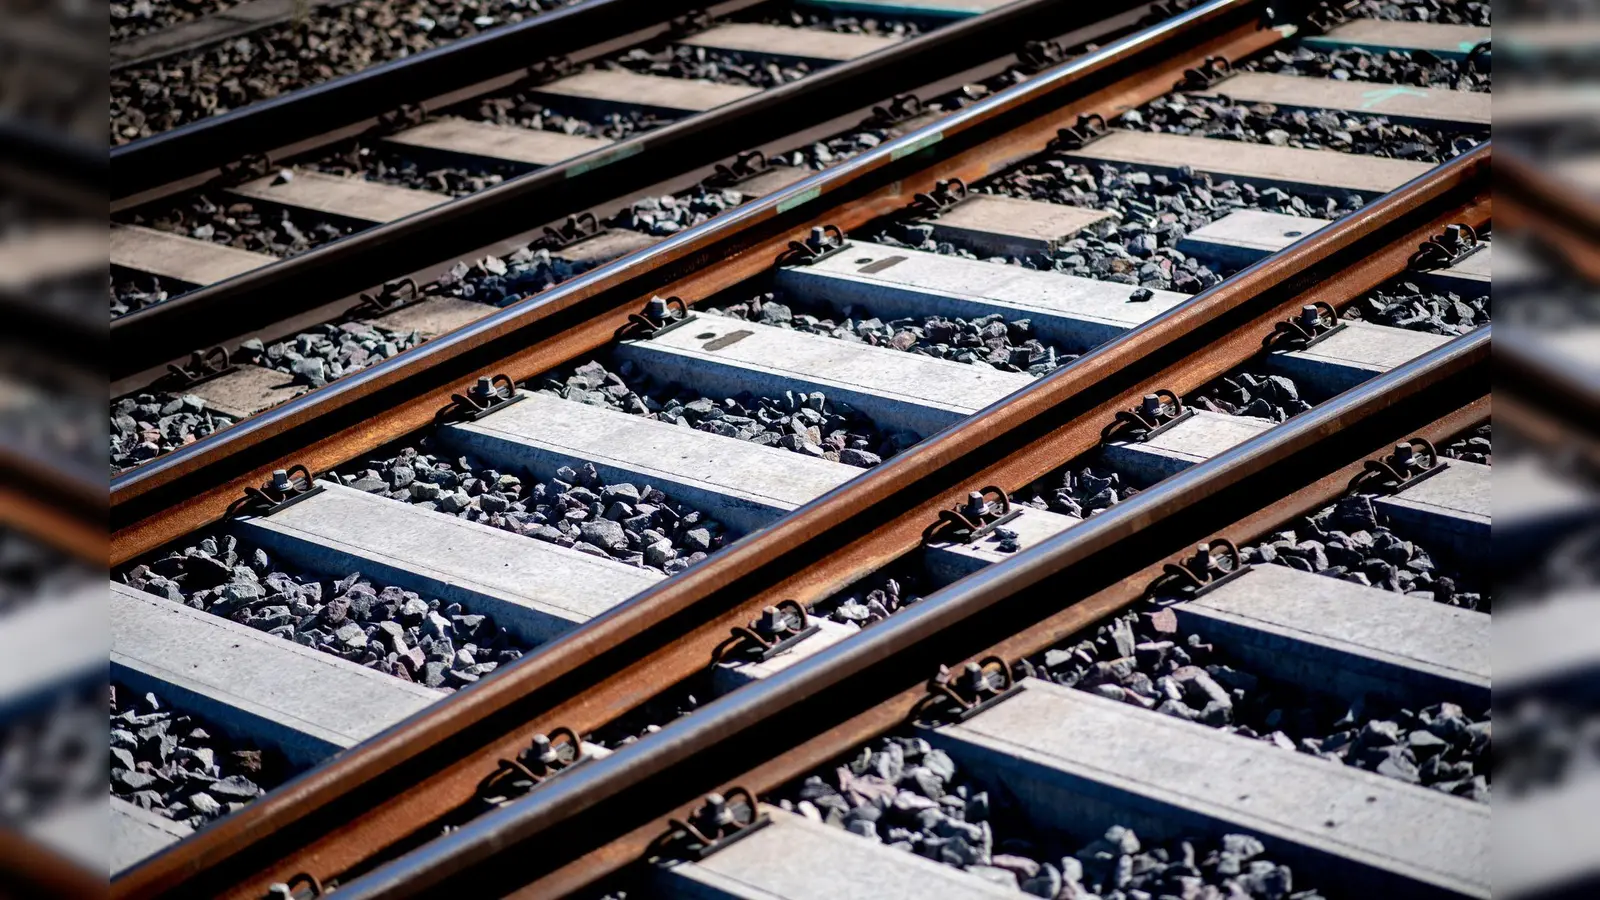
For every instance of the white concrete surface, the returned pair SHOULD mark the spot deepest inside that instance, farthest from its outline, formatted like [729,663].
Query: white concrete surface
[892,282]
[1080,763]
[181,258]
[743,485]
[1308,171]
[532,588]
[252,685]
[350,198]
[1336,637]
[1192,441]
[897,390]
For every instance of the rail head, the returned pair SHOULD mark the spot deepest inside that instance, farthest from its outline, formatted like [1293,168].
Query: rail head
[630,277]
[639,766]
[923,475]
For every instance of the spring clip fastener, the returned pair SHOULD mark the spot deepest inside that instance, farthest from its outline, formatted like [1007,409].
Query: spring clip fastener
[956,696]
[946,195]
[903,108]
[778,628]
[547,756]
[1208,73]
[825,241]
[1458,242]
[1412,461]
[246,168]
[1084,132]
[491,392]
[968,522]
[720,820]
[203,365]
[1203,572]
[577,228]
[659,315]
[1036,56]
[746,165]
[392,296]
[402,117]
[1155,414]
[286,488]
[1324,18]
[1315,323]
[300,886]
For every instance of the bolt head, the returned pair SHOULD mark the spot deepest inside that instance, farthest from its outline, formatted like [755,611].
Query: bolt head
[280,479]
[771,621]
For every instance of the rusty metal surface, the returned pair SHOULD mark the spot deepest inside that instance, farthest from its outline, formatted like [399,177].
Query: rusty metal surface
[29,869]
[1050,423]
[189,488]
[361,823]
[691,756]
[360,261]
[1565,219]
[343,812]
[1085,614]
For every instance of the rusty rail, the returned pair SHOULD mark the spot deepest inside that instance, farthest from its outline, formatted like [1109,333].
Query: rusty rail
[607,814]
[337,819]
[345,816]
[191,487]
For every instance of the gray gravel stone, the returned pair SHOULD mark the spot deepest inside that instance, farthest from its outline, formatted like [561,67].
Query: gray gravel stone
[810,424]
[146,425]
[887,790]
[1545,742]
[332,40]
[1248,393]
[383,627]
[1009,346]
[180,767]
[1153,212]
[385,164]
[1386,67]
[1177,674]
[1344,541]
[129,290]
[502,281]
[1402,304]
[575,509]
[1446,12]
[1264,123]
[241,224]
[1081,493]
[130,18]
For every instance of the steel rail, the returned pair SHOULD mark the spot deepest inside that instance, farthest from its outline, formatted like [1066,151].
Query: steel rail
[810,754]
[1556,383]
[60,504]
[205,144]
[382,792]
[39,162]
[29,869]
[161,500]
[1566,219]
[343,812]
[631,792]
[209,30]
[158,333]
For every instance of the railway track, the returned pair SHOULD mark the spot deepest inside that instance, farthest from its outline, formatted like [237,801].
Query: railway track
[1073,329]
[619,97]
